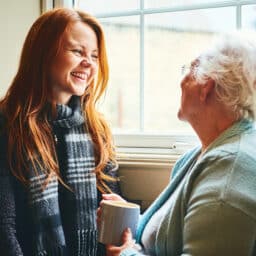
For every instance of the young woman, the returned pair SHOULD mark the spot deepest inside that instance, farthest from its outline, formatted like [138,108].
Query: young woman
[56,150]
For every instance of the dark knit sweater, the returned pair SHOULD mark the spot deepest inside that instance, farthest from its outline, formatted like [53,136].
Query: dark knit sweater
[55,221]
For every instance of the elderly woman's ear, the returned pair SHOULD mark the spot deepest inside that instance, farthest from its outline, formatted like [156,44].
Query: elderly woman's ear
[207,90]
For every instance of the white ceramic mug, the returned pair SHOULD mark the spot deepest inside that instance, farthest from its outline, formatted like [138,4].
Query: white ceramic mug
[116,216]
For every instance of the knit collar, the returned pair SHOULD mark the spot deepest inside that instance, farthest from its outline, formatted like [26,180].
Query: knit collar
[69,115]
[237,128]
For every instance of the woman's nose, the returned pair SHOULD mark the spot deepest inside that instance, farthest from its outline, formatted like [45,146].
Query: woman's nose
[86,62]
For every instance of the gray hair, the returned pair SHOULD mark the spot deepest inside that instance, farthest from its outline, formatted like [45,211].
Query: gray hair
[231,63]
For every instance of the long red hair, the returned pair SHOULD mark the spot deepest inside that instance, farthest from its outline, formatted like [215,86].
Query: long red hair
[26,103]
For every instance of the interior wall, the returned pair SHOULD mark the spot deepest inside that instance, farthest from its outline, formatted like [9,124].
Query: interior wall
[16,17]
[142,183]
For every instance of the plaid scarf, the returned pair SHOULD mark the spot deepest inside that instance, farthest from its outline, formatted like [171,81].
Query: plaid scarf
[65,220]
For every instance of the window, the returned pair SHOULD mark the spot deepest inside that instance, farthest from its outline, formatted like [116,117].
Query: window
[148,41]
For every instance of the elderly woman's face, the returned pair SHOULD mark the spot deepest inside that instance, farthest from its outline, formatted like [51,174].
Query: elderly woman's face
[190,92]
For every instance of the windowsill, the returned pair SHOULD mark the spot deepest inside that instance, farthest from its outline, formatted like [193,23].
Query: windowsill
[145,156]
[175,141]
[145,150]
[145,163]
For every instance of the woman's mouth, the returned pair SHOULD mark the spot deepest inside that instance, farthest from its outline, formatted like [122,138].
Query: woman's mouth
[79,75]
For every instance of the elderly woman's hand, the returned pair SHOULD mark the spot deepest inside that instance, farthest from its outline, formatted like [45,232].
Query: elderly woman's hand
[105,197]
[127,242]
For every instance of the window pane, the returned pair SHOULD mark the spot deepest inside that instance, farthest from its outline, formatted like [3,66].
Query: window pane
[122,102]
[249,17]
[171,3]
[172,40]
[98,6]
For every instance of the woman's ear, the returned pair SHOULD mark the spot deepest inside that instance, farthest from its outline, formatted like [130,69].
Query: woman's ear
[207,89]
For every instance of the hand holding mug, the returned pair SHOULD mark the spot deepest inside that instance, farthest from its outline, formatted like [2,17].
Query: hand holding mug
[116,216]
[127,240]
[112,197]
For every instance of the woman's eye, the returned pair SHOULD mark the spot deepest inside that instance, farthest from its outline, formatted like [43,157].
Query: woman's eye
[95,57]
[77,52]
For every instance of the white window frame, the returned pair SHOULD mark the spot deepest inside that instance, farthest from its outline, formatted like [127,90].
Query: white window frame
[50,4]
[151,146]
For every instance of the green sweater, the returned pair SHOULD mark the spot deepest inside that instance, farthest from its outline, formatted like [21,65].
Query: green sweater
[215,211]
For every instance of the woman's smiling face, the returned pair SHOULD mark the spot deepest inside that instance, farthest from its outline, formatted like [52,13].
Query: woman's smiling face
[76,63]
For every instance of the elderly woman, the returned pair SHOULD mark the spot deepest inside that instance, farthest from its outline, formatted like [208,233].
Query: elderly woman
[209,207]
